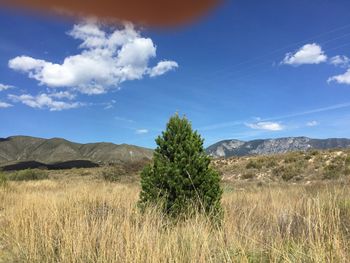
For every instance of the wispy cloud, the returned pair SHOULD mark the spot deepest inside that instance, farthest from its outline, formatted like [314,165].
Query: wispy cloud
[339,61]
[141,131]
[44,101]
[5,104]
[266,125]
[307,54]
[110,105]
[63,95]
[163,67]
[308,112]
[118,118]
[5,87]
[312,123]
[276,118]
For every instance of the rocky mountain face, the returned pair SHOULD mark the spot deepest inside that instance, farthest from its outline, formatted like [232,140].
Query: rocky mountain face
[27,149]
[228,148]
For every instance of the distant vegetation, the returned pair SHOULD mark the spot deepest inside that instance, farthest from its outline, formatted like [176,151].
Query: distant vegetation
[3,179]
[128,171]
[293,166]
[25,175]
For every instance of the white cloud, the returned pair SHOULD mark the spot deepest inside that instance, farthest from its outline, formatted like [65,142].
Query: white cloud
[341,79]
[312,123]
[62,95]
[110,105]
[5,105]
[44,101]
[106,60]
[341,61]
[142,131]
[266,125]
[308,54]
[162,67]
[5,87]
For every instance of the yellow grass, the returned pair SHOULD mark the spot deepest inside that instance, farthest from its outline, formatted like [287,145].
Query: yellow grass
[95,221]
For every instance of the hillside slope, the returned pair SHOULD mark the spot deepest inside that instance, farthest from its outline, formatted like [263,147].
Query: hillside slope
[17,149]
[292,166]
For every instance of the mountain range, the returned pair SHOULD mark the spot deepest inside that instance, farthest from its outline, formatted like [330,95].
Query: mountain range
[20,152]
[34,152]
[228,148]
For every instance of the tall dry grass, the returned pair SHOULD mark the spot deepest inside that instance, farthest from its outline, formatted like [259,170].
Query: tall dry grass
[93,221]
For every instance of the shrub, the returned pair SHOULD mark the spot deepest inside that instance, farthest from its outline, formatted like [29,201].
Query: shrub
[347,161]
[292,157]
[3,179]
[271,163]
[28,175]
[248,175]
[254,164]
[332,171]
[335,169]
[180,175]
[287,172]
[113,173]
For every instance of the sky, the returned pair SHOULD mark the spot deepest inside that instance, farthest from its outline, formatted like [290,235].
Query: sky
[247,70]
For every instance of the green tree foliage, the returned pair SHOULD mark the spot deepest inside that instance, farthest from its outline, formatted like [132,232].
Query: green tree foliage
[180,175]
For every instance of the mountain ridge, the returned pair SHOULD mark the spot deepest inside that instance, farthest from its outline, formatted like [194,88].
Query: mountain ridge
[55,152]
[15,149]
[229,148]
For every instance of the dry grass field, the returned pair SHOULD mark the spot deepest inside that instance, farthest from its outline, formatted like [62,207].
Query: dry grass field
[86,219]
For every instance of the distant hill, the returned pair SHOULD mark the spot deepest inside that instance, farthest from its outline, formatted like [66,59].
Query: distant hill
[57,152]
[228,148]
[298,166]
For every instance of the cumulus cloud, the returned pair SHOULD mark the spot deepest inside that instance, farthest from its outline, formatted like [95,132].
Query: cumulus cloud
[340,61]
[308,54]
[106,60]
[142,131]
[44,101]
[342,78]
[162,67]
[265,125]
[5,105]
[5,87]
[312,123]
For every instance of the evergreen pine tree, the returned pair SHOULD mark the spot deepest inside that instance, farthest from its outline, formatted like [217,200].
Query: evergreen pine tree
[180,174]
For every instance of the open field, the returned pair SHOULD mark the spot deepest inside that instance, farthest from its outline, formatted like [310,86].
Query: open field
[86,219]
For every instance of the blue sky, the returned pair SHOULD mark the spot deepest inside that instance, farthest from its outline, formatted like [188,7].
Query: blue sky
[248,70]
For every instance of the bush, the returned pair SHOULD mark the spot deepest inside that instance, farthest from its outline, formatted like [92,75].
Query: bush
[113,173]
[248,175]
[347,161]
[287,172]
[271,163]
[180,175]
[292,157]
[332,171]
[254,164]
[3,179]
[28,175]
[335,169]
